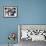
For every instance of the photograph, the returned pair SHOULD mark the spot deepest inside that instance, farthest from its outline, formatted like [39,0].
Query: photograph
[10,11]
[32,32]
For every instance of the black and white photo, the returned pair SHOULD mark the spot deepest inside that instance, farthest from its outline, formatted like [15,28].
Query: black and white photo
[10,11]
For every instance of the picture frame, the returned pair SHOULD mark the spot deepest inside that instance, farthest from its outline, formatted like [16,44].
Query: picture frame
[10,11]
[34,30]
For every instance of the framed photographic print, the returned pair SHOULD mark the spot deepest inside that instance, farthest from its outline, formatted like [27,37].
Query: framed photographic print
[10,11]
[33,32]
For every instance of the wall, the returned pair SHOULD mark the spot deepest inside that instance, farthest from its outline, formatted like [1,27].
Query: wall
[7,25]
[29,12]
